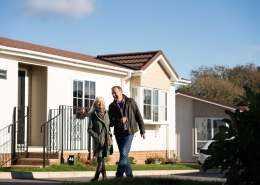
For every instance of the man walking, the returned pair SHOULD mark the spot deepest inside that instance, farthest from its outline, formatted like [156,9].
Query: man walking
[126,118]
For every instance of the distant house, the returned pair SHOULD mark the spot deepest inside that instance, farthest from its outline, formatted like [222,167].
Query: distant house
[197,121]
[43,78]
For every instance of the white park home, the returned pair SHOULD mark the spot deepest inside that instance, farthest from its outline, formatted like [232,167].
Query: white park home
[43,78]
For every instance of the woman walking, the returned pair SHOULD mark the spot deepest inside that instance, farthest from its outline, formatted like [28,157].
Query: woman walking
[98,128]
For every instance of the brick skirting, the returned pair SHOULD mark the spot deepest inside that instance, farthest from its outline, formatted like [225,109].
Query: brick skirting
[140,156]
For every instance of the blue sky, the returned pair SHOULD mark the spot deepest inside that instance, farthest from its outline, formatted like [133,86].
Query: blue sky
[191,33]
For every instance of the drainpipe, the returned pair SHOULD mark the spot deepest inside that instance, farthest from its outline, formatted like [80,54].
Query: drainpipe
[123,80]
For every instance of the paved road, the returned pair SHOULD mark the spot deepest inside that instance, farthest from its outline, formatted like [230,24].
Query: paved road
[79,177]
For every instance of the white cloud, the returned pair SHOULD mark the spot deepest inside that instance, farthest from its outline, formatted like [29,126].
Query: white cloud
[58,8]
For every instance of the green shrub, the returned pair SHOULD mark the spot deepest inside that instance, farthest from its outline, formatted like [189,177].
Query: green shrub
[131,159]
[237,149]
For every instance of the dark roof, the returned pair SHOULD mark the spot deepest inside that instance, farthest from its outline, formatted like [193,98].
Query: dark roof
[52,51]
[210,100]
[135,61]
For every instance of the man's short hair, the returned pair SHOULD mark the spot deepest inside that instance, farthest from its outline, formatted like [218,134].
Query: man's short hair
[118,87]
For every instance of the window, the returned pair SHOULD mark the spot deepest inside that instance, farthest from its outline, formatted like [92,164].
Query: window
[153,103]
[147,103]
[83,97]
[163,106]
[205,129]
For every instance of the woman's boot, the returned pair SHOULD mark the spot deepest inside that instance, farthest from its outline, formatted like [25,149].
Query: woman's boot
[98,170]
[104,172]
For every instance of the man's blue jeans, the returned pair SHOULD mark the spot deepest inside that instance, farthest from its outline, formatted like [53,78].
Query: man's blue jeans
[124,165]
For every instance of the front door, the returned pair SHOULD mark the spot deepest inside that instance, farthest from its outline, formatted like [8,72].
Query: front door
[21,110]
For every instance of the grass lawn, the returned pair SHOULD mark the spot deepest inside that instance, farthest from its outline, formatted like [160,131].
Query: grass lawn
[81,167]
[126,181]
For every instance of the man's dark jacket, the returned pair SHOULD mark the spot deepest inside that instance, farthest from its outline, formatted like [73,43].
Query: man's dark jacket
[132,113]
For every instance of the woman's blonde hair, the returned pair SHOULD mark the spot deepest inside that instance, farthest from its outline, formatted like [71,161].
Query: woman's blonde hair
[93,106]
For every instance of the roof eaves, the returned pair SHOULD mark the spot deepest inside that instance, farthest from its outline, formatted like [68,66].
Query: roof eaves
[156,56]
[207,100]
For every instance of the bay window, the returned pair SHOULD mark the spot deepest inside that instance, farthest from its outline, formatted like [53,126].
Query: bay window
[152,103]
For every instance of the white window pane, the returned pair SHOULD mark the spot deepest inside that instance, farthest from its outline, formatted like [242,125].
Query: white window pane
[155,113]
[134,94]
[147,112]
[203,129]
[163,106]
[147,96]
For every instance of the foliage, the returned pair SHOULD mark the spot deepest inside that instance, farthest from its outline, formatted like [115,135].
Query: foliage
[224,84]
[171,159]
[107,159]
[89,163]
[131,159]
[81,111]
[177,159]
[237,149]
[151,158]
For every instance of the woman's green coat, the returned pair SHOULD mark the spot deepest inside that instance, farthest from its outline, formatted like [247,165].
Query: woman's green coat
[99,130]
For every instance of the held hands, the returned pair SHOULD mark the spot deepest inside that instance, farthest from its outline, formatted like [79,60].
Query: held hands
[123,120]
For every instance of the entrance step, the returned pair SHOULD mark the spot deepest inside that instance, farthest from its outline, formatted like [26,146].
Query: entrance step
[40,155]
[36,161]
[24,166]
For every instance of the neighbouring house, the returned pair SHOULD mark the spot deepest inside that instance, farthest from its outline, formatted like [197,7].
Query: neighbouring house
[197,121]
[52,84]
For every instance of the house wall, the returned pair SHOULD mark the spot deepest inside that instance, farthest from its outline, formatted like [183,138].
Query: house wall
[62,79]
[201,109]
[104,82]
[135,81]
[184,128]
[159,137]
[51,86]
[8,90]
[38,103]
[187,109]
[156,77]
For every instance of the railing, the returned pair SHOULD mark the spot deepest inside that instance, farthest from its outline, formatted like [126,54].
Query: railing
[64,131]
[14,137]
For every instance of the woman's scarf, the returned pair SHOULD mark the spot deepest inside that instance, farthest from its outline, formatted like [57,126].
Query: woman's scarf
[100,112]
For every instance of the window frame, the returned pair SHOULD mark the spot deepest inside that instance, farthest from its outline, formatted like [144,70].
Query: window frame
[139,98]
[84,98]
[212,131]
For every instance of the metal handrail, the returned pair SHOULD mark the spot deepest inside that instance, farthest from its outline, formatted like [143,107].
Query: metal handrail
[64,134]
[12,140]
[44,139]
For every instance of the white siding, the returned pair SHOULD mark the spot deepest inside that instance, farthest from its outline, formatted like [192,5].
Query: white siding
[184,128]
[156,77]
[8,90]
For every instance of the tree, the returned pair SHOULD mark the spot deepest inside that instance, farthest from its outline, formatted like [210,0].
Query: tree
[222,83]
[237,150]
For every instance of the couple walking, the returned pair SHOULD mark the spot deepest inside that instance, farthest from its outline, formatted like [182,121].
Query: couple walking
[123,114]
